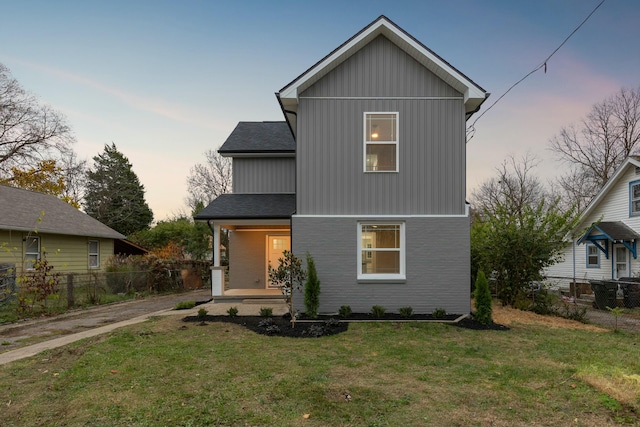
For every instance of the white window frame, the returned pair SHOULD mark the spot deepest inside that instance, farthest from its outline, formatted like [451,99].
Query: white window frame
[94,255]
[597,254]
[380,142]
[401,275]
[29,255]
[632,200]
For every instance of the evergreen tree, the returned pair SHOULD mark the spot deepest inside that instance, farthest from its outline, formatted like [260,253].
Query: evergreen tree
[483,300]
[312,289]
[115,195]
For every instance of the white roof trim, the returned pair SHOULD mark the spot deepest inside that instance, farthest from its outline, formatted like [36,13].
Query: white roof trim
[607,187]
[383,26]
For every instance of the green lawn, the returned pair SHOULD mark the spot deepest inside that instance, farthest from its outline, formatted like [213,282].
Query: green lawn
[166,372]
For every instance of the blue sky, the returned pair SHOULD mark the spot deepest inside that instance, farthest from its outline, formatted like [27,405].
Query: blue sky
[167,80]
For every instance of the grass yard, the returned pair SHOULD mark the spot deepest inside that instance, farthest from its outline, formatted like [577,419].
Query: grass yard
[542,371]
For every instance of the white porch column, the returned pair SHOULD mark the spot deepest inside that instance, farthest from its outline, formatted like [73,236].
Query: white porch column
[217,271]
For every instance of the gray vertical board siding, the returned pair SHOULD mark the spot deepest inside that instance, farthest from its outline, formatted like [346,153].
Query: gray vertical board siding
[248,258]
[437,265]
[380,69]
[432,156]
[431,150]
[264,175]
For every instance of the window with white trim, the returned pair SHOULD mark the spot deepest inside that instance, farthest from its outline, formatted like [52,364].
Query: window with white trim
[94,254]
[634,198]
[593,256]
[381,142]
[381,253]
[31,252]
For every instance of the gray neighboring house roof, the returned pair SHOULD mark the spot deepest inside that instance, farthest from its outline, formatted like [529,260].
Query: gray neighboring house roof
[25,210]
[249,206]
[259,137]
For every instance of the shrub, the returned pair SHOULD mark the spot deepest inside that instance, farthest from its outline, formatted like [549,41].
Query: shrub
[185,305]
[266,311]
[344,311]
[378,311]
[406,312]
[202,313]
[232,312]
[315,331]
[483,300]
[439,313]
[312,289]
[264,323]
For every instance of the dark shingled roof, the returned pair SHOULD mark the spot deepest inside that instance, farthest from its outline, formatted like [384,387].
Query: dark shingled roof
[25,210]
[259,137]
[618,231]
[250,206]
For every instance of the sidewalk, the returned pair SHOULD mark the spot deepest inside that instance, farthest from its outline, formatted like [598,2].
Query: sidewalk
[57,331]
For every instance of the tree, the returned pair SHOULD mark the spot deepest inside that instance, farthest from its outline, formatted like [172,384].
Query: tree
[114,194]
[312,289]
[289,276]
[209,180]
[29,132]
[190,238]
[598,145]
[518,231]
[46,177]
[482,298]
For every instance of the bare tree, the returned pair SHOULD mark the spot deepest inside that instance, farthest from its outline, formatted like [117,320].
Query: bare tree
[75,172]
[209,180]
[514,186]
[596,147]
[29,132]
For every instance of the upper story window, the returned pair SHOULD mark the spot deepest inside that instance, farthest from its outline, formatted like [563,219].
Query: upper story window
[31,252]
[634,198]
[381,251]
[593,256]
[94,254]
[381,142]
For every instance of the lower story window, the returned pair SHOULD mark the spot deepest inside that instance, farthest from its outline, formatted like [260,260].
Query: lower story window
[381,251]
[593,256]
[94,254]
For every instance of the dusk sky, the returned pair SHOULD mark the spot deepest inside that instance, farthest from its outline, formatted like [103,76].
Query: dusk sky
[167,80]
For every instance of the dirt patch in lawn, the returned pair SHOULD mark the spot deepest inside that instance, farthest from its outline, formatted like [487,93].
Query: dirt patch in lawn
[507,316]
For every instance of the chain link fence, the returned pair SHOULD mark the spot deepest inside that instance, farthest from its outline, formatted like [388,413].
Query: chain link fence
[613,304]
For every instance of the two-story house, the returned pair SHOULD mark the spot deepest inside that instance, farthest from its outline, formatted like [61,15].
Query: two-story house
[367,174]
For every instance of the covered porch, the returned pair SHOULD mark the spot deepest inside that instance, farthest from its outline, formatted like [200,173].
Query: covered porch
[616,241]
[258,227]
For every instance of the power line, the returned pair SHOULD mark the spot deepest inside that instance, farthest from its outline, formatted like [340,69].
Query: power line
[472,129]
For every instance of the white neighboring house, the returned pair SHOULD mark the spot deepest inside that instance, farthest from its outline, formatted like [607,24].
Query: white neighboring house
[604,243]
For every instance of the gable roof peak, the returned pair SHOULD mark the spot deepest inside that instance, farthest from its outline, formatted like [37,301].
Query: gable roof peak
[474,95]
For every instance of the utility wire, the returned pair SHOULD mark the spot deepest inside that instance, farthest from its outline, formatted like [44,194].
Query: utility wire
[472,129]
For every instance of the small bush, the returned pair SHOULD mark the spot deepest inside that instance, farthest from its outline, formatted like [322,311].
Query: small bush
[232,312]
[202,313]
[406,312]
[439,313]
[344,311]
[483,300]
[378,311]
[272,330]
[266,311]
[185,305]
[311,289]
[332,323]
[574,312]
[315,331]
[264,323]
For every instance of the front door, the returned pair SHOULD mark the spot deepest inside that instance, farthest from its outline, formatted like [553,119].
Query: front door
[275,246]
[621,262]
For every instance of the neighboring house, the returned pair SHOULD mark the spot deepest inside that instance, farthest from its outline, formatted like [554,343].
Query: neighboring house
[604,243]
[33,225]
[367,174]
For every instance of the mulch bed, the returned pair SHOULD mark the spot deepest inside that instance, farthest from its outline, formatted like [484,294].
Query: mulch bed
[326,325]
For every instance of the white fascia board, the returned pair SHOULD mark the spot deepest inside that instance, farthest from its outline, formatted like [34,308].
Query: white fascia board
[607,187]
